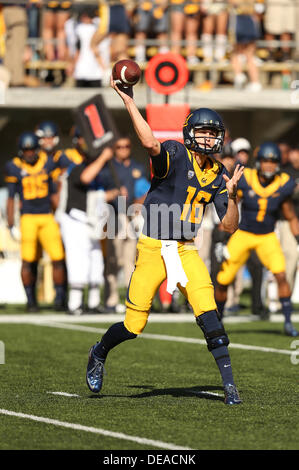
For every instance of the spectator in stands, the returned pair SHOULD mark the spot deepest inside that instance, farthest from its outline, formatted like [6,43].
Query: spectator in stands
[115,23]
[16,25]
[2,34]
[150,17]
[185,21]
[280,21]
[4,72]
[215,20]
[54,17]
[33,15]
[70,34]
[246,34]
[89,70]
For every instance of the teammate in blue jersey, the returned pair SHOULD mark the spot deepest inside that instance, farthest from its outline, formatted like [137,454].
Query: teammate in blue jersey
[264,191]
[29,174]
[186,179]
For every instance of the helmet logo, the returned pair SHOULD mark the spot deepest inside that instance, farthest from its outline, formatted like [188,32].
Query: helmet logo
[187,119]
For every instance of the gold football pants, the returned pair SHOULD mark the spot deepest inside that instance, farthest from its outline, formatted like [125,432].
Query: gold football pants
[150,272]
[43,229]
[240,245]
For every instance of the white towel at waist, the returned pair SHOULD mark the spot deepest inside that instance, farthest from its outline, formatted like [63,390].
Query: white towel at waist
[173,263]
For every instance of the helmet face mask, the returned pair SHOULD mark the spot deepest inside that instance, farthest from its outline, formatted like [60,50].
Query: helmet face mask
[47,133]
[28,147]
[206,120]
[49,143]
[268,152]
[211,143]
[265,173]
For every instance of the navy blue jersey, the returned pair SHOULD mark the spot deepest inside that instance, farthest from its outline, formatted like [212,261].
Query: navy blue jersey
[261,204]
[180,191]
[33,183]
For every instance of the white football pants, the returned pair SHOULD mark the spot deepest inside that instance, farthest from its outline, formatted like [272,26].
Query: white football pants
[84,258]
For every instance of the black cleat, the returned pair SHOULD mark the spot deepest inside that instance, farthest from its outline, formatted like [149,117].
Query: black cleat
[231,395]
[32,308]
[262,312]
[290,330]
[60,306]
[95,372]
[265,314]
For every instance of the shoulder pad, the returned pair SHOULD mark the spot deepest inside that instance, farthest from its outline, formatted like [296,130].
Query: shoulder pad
[247,174]
[17,161]
[284,177]
[247,171]
[172,147]
[73,155]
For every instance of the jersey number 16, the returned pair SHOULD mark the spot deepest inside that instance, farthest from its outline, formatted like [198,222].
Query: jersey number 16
[197,207]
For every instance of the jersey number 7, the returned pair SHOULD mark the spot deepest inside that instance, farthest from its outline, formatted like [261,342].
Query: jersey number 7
[262,203]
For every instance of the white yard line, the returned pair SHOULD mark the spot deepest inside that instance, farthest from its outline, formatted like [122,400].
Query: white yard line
[113,317]
[179,339]
[64,394]
[103,432]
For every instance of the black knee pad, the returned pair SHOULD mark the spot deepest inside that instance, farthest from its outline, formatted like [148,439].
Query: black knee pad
[30,266]
[59,264]
[212,329]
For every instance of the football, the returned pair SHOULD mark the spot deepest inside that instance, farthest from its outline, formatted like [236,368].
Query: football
[126,72]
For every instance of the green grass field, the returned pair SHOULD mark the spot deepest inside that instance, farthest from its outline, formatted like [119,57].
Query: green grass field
[166,391]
